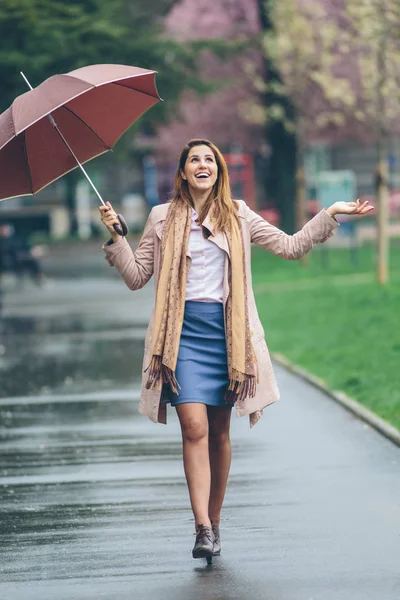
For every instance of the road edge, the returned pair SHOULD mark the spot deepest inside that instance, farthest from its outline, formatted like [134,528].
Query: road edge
[382,426]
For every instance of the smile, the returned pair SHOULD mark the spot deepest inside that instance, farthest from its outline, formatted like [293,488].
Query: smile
[202,176]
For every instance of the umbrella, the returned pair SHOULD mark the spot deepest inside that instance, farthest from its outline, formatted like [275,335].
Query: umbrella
[66,121]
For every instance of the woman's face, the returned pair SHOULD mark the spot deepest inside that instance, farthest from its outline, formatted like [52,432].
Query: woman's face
[201,169]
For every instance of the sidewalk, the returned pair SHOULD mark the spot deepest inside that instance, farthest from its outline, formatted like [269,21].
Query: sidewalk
[94,502]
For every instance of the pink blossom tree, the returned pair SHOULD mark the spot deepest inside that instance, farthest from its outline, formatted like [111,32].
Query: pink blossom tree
[219,115]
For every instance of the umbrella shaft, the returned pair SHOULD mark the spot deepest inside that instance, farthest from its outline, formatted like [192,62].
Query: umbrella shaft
[52,121]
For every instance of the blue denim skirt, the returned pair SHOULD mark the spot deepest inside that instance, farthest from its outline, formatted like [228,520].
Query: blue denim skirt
[202,368]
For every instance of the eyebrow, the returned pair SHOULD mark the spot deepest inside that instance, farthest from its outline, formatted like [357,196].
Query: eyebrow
[205,156]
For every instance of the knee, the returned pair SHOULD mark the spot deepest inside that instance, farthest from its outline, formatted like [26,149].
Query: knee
[194,431]
[219,438]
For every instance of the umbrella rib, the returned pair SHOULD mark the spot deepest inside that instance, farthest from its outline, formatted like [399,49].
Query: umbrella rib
[28,171]
[135,90]
[88,126]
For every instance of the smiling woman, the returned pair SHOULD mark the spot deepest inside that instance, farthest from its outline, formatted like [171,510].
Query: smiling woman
[200,168]
[202,179]
[205,350]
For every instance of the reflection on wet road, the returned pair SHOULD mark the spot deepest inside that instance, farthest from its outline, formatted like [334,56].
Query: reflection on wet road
[93,498]
[58,340]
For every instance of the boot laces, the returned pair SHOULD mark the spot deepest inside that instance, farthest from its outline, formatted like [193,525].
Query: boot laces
[204,531]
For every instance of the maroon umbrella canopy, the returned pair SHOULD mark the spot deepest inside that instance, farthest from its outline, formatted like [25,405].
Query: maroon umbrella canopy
[92,107]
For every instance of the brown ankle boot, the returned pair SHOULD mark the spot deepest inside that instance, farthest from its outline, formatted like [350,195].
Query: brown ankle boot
[204,544]
[217,540]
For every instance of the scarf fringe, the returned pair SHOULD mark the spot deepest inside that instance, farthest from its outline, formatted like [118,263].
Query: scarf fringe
[240,387]
[160,374]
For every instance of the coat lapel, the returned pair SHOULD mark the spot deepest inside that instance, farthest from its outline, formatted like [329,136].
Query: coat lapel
[159,226]
[219,238]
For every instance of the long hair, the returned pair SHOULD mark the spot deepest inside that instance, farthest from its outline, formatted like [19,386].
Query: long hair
[220,199]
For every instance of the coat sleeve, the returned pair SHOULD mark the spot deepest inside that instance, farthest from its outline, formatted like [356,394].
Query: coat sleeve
[136,268]
[291,247]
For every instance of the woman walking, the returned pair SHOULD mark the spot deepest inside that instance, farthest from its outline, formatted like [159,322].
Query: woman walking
[205,350]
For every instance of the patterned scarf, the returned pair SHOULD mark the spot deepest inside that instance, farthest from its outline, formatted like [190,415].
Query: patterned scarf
[170,306]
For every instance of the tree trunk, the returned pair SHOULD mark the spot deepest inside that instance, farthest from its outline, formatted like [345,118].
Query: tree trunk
[281,172]
[301,199]
[281,176]
[382,273]
[301,207]
[382,167]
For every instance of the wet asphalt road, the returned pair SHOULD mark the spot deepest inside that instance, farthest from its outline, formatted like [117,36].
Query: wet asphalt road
[93,497]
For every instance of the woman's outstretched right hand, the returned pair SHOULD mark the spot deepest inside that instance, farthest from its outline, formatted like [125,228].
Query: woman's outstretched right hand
[109,218]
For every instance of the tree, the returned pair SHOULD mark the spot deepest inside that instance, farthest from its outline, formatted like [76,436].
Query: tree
[307,96]
[372,37]
[339,64]
[44,37]
[221,115]
[281,174]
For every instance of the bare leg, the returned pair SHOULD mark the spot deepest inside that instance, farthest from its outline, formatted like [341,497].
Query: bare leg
[219,419]
[194,426]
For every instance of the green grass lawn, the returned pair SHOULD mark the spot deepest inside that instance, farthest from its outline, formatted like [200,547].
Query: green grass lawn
[333,319]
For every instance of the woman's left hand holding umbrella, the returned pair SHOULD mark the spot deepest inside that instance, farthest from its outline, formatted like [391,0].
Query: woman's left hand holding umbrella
[109,218]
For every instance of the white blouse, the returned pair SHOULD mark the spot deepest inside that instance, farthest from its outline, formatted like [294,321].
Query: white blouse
[206,275]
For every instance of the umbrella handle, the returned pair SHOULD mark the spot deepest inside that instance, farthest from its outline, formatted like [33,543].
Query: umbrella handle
[122,228]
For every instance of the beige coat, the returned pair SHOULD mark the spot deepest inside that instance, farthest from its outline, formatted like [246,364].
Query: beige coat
[136,268]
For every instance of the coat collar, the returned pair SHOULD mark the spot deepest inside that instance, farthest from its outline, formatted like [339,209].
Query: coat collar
[219,238]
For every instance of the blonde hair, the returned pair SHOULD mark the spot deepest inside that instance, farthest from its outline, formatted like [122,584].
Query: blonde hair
[220,198]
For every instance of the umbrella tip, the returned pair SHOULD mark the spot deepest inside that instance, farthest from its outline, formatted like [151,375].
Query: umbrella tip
[26,81]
